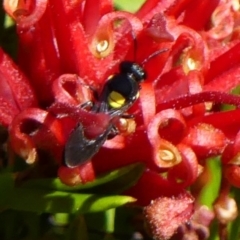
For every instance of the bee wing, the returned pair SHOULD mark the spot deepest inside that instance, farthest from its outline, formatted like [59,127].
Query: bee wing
[79,149]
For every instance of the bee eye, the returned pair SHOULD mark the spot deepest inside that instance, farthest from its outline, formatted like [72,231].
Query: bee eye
[116,100]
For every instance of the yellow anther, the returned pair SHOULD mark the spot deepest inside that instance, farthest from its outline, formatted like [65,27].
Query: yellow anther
[166,155]
[191,64]
[102,46]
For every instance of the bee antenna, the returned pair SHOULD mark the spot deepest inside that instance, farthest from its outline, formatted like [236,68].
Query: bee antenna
[134,45]
[154,55]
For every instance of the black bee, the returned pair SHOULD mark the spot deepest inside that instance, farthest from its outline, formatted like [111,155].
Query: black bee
[117,96]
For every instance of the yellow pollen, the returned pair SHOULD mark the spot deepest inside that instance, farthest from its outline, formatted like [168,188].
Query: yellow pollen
[208,105]
[191,64]
[166,155]
[30,155]
[102,46]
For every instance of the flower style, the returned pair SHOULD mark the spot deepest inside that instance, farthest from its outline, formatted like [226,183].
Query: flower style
[68,50]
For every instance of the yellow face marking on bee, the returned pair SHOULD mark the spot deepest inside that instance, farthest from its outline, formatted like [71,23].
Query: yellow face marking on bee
[116,100]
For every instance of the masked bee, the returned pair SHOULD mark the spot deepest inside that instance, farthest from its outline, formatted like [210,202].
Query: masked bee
[118,94]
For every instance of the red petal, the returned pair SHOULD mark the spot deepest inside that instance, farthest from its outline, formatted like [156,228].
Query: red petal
[26,13]
[35,128]
[205,140]
[224,63]
[186,172]
[150,186]
[93,11]
[232,173]
[198,13]
[75,176]
[71,89]
[15,90]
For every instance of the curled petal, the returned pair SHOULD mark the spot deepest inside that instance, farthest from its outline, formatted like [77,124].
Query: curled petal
[165,154]
[164,124]
[220,16]
[26,13]
[108,19]
[186,172]
[205,140]
[36,129]
[108,37]
[232,174]
[189,48]
[71,89]
[78,175]
[231,154]
[226,209]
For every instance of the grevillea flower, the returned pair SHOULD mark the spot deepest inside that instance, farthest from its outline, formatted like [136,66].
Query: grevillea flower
[68,50]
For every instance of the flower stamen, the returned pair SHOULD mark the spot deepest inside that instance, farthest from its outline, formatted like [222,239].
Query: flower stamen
[19,8]
[190,62]
[226,210]
[166,155]
[102,46]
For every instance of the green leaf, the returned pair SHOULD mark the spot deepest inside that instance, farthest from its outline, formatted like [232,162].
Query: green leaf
[130,6]
[114,181]
[77,229]
[6,188]
[210,191]
[234,226]
[214,231]
[63,202]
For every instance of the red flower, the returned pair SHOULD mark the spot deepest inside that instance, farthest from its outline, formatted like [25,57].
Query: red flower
[68,48]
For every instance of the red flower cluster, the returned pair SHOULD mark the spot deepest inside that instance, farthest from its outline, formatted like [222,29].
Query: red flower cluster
[65,47]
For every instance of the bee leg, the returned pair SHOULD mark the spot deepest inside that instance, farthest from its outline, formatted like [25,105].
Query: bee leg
[113,133]
[127,116]
[88,104]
